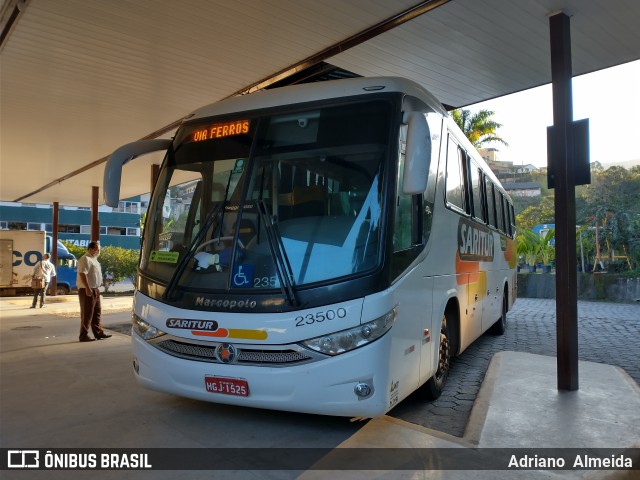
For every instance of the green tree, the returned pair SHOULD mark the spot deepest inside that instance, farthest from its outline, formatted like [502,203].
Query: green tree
[611,202]
[74,249]
[177,225]
[528,246]
[615,189]
[542,212]
[478,127]
[585,245]
[117,264]
[547,250]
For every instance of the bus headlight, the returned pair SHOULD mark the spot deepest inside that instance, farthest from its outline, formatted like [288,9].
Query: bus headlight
[346,340]
[144,329]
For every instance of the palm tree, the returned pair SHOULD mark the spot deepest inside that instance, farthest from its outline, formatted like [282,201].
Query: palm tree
[478,127]
[529,248]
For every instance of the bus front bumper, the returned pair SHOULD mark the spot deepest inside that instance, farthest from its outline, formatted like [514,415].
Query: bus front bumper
[326,387]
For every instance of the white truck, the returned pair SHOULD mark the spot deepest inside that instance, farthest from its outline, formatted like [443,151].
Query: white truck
[20,251]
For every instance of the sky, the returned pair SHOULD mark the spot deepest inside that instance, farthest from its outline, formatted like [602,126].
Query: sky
[610,98]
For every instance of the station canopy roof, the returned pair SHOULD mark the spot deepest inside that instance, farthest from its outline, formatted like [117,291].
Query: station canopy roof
[80,78]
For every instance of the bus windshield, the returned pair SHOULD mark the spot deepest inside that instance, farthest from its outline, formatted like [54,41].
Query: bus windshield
[268,201]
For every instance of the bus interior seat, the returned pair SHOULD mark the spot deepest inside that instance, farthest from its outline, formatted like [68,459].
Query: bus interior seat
[303,201]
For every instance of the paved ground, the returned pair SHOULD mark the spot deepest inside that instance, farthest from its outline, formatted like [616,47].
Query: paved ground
[58,393]
[607,333]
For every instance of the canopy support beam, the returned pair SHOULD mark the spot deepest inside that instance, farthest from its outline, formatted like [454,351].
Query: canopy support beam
[562,163]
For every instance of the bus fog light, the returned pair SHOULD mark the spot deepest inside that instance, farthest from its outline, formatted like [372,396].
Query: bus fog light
[363,390]
[347,340]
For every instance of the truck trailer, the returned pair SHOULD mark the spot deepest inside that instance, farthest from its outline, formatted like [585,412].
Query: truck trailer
[20,251]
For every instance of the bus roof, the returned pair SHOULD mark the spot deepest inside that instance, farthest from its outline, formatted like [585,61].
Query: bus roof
[317,91]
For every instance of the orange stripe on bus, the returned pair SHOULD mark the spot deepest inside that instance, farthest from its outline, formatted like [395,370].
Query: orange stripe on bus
[233,333]
[220,333]
[472,268]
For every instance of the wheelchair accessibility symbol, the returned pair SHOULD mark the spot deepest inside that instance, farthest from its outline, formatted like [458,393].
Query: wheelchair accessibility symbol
[242,276]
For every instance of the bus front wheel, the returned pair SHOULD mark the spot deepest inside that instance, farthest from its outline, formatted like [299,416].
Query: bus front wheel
[435,385]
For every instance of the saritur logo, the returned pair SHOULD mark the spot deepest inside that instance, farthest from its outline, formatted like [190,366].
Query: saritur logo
[23,459]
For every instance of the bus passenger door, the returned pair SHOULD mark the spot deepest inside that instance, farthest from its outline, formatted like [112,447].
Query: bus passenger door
[471,303]
[475,305]
[430,335]
[471,282]
[493,301]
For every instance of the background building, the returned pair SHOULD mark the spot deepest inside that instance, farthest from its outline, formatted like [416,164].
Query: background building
[119,227]
[523,189]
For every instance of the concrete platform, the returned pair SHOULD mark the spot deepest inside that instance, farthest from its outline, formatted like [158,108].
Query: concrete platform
[519,406]
[58,393]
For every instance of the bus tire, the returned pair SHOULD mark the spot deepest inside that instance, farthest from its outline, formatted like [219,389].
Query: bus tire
[435,385]
[500,326]
[61,290]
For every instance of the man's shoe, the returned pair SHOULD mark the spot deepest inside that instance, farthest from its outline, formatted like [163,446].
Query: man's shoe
[41,306]
[106,335]
[32,306]
[87,339]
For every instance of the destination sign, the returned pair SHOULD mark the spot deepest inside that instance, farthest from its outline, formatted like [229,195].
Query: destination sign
[221,130]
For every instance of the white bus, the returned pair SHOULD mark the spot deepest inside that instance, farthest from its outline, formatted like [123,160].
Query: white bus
[329,248]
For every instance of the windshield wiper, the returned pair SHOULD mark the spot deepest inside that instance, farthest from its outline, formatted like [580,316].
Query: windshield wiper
[278,253]
[193,248]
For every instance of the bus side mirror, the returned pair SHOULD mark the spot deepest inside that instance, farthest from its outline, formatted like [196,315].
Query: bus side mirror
[417,155]
[124,154]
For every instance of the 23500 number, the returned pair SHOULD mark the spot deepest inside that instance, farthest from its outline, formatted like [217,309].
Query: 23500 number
[319,317]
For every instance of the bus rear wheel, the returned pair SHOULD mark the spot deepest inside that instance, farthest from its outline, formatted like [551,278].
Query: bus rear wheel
[435,385]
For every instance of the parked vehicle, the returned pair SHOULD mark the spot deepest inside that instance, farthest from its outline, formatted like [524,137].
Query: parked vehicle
[66,268]
[20,251]
[342,241]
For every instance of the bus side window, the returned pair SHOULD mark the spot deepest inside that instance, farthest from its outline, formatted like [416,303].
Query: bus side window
[476,192]
[499,211]
[507,217]
[491,204]
[505,214]
[406,230]
[507,220]
[454,184]
[408,238]
[513,221]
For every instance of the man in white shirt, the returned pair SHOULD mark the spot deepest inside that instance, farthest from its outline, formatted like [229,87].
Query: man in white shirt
[44,270]
[89,280]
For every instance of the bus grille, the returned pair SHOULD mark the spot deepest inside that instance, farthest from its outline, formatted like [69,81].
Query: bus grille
[247,355]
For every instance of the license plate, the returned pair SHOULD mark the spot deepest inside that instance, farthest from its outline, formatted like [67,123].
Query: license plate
[227,386]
